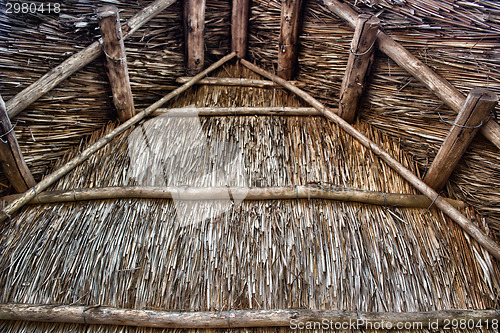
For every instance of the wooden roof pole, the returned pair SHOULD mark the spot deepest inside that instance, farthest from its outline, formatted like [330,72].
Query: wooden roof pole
[78,60]
[103,315]
[11,158]
[288,42]
[239,82]
[239,27]
[358,66]
[17,204]
[194,42]
[473,230]
[476,110]
[116,61]
[441,87]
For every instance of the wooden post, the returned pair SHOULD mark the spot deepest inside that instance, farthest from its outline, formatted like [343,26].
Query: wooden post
[474,113]
[11,158]
[469,227]
[358,65]
[289,38]
[116,61]
[103,315]
[194,26]
[78,60]
[239,27]
[437,84]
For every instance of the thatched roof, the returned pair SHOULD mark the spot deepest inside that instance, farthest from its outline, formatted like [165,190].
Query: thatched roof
[315,254]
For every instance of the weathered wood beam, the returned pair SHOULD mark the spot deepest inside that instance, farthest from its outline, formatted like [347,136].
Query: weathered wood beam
[240,82]
[194,28]
[116,61]
[475,112]
[78,60]
[291,318]
[242,193]
[15,205]
[288,41]
[469,227]
[192,111]
[358,65]
[239,27]
[437,84]
[11,158]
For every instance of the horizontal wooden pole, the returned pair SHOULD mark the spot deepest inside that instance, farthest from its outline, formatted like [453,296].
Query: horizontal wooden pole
[18,203]
[78,60]
[472,229]
[241,82]
[437,84]
[240,193]
[292,318]
[192,111]
[116,61]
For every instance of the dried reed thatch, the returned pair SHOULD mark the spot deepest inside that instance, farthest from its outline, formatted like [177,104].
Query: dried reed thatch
[316,254]
[459,45]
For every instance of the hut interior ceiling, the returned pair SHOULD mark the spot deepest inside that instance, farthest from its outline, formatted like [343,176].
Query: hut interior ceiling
[315,254]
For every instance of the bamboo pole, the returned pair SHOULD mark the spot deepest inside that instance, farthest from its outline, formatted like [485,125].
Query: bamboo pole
[437,84]
[116,61]
[242,193]
[291,318]
[11,157]
[476,111]
[473,230]
[192,111]
[78,60]
[288,42]
[241,82]
[239,27]
[358,65]
[15,205]
[194,27]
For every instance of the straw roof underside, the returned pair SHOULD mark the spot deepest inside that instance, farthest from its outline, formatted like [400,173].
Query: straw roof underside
[317,254]
[457,41]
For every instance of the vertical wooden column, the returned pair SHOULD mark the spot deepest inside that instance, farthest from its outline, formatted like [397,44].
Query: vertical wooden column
[116,61]
[288,42]
[11,158]
[475,113]
[194,27]
[239,27]
[358,66]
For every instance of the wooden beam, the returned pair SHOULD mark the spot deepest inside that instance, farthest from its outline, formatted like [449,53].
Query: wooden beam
[242,193]
[15,205]
[475,112]
[11,158]
[240,82]
[239,27]
[78,60]
[469,227]
[194,28]
[116,61]
[437,84]
[358,65]
[290,318]
[192,111]
[288,41]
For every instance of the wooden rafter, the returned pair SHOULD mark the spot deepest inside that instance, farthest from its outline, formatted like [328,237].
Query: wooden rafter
[116,61]
[288,42]
[194,27]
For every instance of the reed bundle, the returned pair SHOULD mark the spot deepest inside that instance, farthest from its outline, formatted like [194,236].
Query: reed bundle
[217,256]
